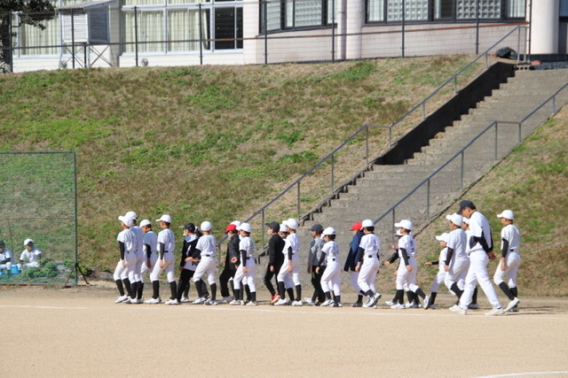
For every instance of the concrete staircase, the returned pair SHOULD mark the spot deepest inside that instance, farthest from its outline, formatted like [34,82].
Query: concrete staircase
[385,185]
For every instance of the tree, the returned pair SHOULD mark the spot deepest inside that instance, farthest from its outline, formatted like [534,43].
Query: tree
[31,12]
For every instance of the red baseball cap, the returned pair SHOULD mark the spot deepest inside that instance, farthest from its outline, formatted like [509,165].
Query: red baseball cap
[357,226]
[231,227]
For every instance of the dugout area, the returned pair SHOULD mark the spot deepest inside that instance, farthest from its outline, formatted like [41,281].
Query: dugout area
[38,200]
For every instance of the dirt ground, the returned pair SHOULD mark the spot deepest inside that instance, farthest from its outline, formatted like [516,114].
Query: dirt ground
[80,332]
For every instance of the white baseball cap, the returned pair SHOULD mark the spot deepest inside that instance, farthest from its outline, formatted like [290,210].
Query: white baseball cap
[405,223]
[465,220]
[28,242]
[245,227]
[283,228]
[236,223]
[132,215]
[507,214]
[292,223]
[128,221]
[165,218]
[207,226]
[455,218]
[367,223]
[328,231]
[444,237]
[145,222]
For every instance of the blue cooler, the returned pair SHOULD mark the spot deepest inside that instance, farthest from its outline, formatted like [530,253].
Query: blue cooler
[14,270]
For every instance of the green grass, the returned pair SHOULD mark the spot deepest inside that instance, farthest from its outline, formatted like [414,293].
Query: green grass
[207,143]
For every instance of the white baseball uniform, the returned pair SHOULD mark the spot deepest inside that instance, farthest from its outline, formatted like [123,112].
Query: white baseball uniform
[139,252]
[127,238]
[478,258]
[403,276]
[441,276]
[150,239]
[207,264]
[331,278]
[371,245]
[291,241]
[459,263]
[167,238]
[511,234]
[246,244]
[33,256]
[8,256]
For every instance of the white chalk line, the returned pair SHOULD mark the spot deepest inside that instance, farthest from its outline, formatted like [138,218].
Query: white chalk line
[524,374]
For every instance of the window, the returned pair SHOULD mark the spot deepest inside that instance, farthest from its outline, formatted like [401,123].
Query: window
[375,10]
[184,31]
[467,9]
[563,8]
[444,9]
[291,14]
[228,29]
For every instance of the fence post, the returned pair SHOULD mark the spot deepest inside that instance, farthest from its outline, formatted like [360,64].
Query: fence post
[332,172]
[461,170]
[519,45]
[455,85]
[496,140]
[403,26]
[298,200]
[367,144]
[428,201]
[554,105]
[520,132]
[200,36]
[73,38]
[333,31]
[136,35]
[477,28]
[262,233]
[423,110]
[265,12]
[10,46]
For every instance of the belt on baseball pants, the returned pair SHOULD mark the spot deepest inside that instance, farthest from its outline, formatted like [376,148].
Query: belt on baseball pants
[370,256]
[207,255]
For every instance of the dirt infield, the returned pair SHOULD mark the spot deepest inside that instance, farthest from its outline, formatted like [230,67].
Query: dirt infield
[80,332]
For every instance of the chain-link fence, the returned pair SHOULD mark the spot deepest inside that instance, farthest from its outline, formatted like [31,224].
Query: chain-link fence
[188,32]
[38,202]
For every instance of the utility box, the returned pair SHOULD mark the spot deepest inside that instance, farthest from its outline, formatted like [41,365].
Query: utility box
[86,22]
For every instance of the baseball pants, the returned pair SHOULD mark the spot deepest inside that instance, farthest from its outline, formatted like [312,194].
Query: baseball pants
[457,273]
[438,280]
[246,278]
[367,274]
[404,277]
[477,274]
[331,278]
[510,275]
[144,271]
[287,277]
[207,265]
[168,267]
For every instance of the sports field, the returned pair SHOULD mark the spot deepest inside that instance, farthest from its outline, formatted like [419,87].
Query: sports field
[80,332]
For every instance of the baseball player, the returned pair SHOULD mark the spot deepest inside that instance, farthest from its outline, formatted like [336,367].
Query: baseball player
[331,277]
[291,266]
[246,269]
[408,268]
[231,262]
[136,275]
[275,259]
[351,261]
[430,300]
[368,263]
[480,252]
[166,245]
[315,261]
[287,285]
[456,263]
[150,246]
[31,254]
[510,260]
[6,256]
[205,248]
[126,246]
[187,264]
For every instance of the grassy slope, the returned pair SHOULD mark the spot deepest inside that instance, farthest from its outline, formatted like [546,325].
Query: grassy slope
[202,142]
[533,182]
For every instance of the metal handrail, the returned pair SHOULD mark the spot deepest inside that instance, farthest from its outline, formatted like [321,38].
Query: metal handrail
[461,152]
[422,105]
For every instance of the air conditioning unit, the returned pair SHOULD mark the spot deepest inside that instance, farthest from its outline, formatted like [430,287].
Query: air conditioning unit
[86,22]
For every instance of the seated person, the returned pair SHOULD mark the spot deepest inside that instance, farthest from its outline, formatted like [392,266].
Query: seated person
[6,256]
[31,254]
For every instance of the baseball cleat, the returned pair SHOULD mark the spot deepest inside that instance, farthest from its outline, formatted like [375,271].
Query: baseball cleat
[227,299]
[172,302]
[375,299]
[495,312]
[357,304]
[199,300]
[275,298]
[184,300]
[473,306]
[252,303]
[210,302]
[458,310]
[282,302]
[515,309]
[411,305]
[389,303]
[512,304]
[297,303]
[337,304]
[399,306]
[121,299]
[328,302]
[309,301]
[426,302]
[153,301]
[235,302]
